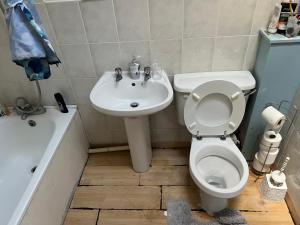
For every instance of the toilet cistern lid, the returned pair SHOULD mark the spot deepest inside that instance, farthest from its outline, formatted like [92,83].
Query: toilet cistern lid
[214,108]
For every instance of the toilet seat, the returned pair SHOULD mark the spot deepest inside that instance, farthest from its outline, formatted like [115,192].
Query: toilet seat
[213,108]
[218,167]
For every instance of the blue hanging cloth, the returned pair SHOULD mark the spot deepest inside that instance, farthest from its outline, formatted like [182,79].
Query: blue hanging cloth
[29,43]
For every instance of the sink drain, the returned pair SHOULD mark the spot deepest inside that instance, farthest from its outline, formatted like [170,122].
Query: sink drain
[32,123]
[134,104]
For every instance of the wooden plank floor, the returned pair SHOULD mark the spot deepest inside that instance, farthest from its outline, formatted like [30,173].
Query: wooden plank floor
[111,193]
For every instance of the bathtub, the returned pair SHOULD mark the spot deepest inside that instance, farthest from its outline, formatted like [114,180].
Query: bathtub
[41,160]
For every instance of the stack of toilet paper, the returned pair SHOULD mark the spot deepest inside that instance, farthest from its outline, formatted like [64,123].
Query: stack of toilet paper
[269,145]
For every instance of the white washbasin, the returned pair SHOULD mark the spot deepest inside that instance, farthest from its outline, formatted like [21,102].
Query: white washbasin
[128,97]
[134,100]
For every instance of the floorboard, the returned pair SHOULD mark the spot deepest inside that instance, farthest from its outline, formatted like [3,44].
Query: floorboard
[111,193]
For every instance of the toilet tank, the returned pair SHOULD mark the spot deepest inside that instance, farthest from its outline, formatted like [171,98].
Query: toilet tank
[185,83]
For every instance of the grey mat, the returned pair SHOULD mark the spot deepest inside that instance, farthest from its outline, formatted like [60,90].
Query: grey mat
[179,213]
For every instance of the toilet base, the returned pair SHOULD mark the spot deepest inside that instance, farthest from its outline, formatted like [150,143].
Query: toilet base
[212,204]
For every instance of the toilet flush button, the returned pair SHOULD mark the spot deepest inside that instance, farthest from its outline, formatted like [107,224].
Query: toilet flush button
[232,125]
[235,95]
[196,97]
[192,125]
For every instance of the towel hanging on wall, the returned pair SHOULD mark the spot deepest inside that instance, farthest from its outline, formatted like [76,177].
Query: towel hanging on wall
[29,43]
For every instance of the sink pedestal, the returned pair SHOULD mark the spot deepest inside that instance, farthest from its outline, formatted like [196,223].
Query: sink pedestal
[138,134]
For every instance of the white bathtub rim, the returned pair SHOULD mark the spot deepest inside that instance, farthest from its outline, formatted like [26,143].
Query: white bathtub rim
[57,138]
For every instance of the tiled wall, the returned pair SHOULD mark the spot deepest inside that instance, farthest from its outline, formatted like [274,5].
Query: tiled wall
[291,148]
[97,35]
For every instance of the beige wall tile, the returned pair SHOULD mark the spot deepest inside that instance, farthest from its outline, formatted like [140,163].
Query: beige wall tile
[9,71]
[106,57]
[235,17]
[82,88]
[134,49]
[229,53]
[67,22]
[77,60]
[8,93]
[99,137]
[132,19]
[167,54]
[119,137]
[251,53]
[3,31]
[200,18]
[165,119]
[52,86]
[92,118]
[170,135]
[99,20]
[197,55]
[166,19]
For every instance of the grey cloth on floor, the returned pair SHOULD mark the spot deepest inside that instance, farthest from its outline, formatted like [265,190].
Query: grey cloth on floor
[230,217]
[179,213]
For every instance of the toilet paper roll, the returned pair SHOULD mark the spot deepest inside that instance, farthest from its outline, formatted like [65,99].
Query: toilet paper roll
[273,117]
[270,158]
[271,138]
[258,166]
[267,148]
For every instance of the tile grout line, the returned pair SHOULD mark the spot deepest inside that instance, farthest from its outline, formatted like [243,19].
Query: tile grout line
[117,33]
[245,57]
[87,39]
[150,42]
[215,37]
[182,35]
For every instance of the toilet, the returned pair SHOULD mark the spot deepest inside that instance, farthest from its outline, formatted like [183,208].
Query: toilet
[211,105]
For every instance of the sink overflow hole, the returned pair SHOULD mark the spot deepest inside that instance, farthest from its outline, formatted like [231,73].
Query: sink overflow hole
[134,104]
[132,84]
[33,169]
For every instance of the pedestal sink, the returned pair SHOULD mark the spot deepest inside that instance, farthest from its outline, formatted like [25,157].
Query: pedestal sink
[134,100]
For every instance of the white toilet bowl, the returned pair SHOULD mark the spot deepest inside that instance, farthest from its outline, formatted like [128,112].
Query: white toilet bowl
[214,109]
[219,170]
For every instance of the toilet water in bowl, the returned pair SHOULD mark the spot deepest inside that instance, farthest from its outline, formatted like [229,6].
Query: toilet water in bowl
[218,172]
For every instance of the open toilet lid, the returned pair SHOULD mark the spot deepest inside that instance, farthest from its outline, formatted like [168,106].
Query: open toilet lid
[213,108]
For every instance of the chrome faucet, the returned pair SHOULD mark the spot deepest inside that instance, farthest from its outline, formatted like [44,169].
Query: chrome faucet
[118,72]
[2,111]
[134,68]
[147,73]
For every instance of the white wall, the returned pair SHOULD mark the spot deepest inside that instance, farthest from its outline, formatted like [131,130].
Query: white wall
[94,36]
